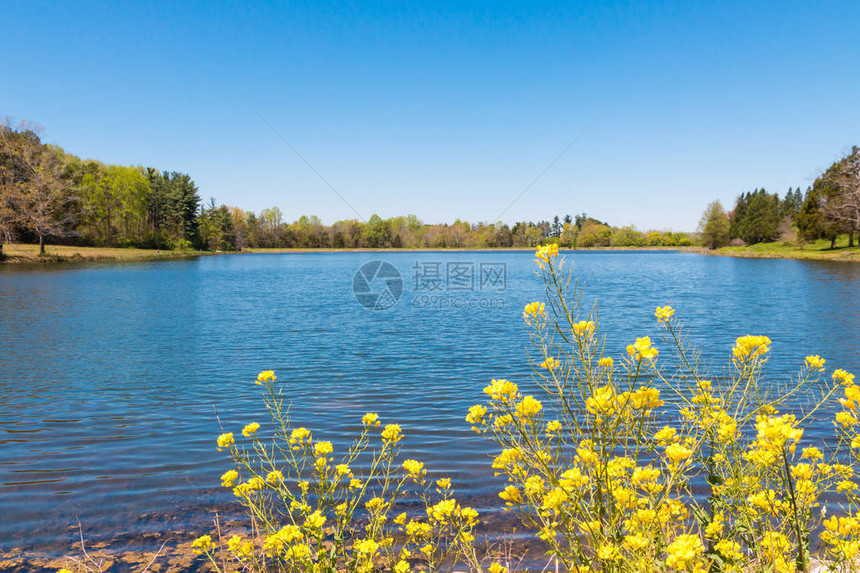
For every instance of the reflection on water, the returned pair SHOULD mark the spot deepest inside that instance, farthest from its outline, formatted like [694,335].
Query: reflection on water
[111,375]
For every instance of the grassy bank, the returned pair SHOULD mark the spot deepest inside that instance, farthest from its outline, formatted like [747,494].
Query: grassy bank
[458,249]
[20,253]
[818,251]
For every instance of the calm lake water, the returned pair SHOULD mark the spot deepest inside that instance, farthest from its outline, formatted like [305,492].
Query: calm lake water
[110,375]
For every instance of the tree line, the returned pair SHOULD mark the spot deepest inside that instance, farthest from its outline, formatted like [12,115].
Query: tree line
[830,207]
[49,194]
[46,193]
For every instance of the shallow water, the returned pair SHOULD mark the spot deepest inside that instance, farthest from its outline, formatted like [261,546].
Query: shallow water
[111,375]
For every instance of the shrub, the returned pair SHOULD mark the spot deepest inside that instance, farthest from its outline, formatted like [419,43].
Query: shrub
[311,511]
[605,471]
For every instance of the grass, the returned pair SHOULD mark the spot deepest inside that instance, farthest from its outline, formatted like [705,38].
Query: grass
[818,251]
[21,253]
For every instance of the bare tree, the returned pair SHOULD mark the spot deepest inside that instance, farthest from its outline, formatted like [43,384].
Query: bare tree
[842,204]
[33,188]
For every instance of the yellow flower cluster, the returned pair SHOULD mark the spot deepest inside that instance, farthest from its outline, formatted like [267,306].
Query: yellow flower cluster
[250,429]
[226,440]
[584,329]
[266,377]
[533,310]
[414,468]
[684,552]
[392,434]
[815,363]
[748,348]
[642,349]
[545,253]
[664,313]
[501,390]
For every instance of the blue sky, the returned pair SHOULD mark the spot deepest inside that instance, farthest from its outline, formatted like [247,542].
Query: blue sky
[447,110]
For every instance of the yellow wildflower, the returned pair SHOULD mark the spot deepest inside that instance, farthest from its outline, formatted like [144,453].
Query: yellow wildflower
[225,440]
[250,429]
[315,520]
[714,530]
[572,479]
[366,547]
[266,376]
[275,476]
[815,362]
[533,310]
[511,494]
[602,401]
[642,349]
[553,427]
[370,419]
[343,470]
[443,510]
[608,552]
[550,363]
[749,347]
[374,503]
[730,550]
[666,435]
[846,419]
[299,435]
[529,407]
[392,434]
[508,458]
[811,453]
[852,397]
[664,313]
[202,544]
[635,542]
[323,449]
[228,478]
[843,377]
[584,329]
[683,552]
[678,453]
[605,362]
[414,468]
[476,415]
[501,389]
[546,252]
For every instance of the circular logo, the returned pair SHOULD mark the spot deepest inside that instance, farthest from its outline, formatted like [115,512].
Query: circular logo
[377,285]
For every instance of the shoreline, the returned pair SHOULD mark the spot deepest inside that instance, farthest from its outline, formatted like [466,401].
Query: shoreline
[25,254]
[818,251]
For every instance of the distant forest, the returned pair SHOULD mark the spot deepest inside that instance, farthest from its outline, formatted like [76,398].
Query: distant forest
[47,194]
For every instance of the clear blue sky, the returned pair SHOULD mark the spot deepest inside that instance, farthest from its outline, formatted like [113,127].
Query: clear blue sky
[447,110]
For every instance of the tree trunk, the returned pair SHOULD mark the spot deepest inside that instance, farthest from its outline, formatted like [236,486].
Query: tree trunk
[832,242]
[41,244]
[851,239]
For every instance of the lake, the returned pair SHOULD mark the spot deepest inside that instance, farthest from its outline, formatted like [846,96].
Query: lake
[111,375]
